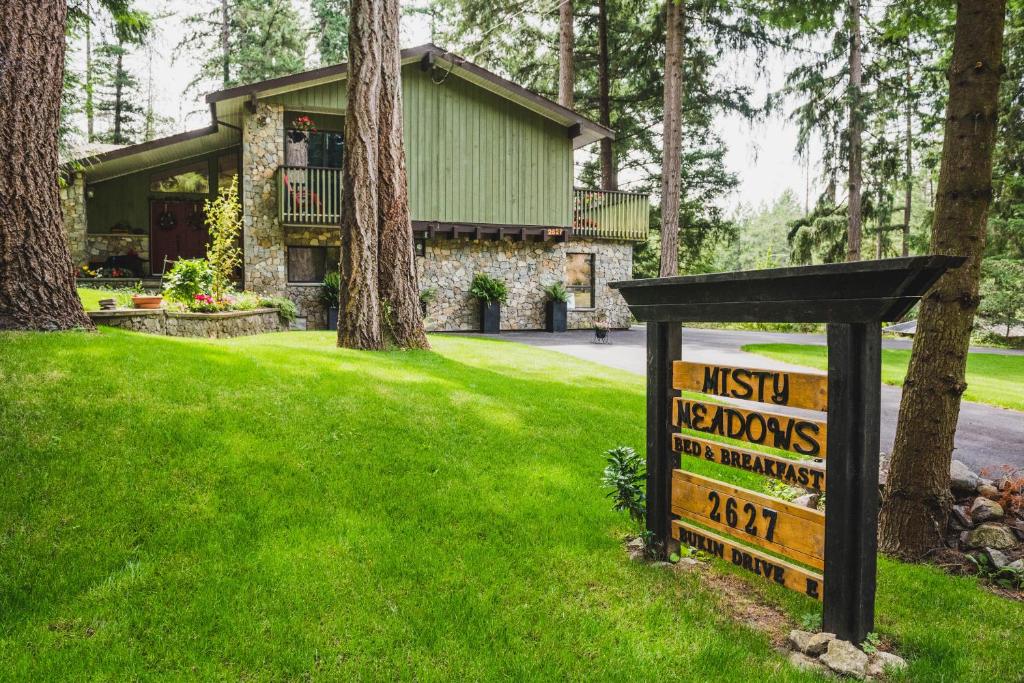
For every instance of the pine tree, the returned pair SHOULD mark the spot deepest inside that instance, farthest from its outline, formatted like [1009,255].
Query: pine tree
[118,91]
[330,29]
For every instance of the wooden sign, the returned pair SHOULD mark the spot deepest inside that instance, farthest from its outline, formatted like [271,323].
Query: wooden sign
[806,473]
[764,428]
[772,568]
[791,530]
[781,388]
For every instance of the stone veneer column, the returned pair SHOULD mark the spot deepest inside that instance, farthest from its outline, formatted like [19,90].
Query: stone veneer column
[72,201]
[263,236]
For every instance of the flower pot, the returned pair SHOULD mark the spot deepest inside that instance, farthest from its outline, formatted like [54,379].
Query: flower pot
[490,317]
[332,317]
[556,313]
[600,332]
[144,301]
[423,308]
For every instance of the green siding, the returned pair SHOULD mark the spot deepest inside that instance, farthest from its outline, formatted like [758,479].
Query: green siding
[476,157]
[126,199]
[329,96]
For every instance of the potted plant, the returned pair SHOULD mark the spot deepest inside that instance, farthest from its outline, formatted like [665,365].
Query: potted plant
[601,328]
[427,297]
[329,292]
[147,301]
[556,308]
[491,293]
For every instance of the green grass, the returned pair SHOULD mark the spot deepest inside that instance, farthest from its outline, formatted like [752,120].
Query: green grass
[91,297]
[991,378]
[273,508]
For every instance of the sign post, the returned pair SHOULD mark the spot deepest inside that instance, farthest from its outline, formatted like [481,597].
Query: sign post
[780,541]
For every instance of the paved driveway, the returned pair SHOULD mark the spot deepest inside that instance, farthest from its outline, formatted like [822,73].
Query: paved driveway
[986,436]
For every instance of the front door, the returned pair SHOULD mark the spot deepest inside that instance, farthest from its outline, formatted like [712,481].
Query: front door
[177,229]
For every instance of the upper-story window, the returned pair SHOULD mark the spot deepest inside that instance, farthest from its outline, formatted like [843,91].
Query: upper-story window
[307,144]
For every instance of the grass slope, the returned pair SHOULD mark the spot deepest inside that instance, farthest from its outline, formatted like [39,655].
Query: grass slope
[274,508]
[991,378]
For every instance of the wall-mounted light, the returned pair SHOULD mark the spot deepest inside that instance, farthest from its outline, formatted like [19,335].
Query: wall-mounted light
[421,247]
[90,193]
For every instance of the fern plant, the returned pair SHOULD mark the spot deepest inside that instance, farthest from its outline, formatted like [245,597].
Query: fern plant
[488,289]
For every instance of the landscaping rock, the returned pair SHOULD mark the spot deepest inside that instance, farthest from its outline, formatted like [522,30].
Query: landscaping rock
[845,658]
[883,662]
[802,661]
[664,565]
[989,535]
[988,490]
[1016,565]
[961,521]
[962,479]
[984,510]
[812,644]
[808,500]
[996,558]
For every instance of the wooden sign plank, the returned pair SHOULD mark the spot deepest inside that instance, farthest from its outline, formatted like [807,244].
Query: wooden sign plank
[761,427]
[806,473]
[772,568]
[790,530]
[775,387]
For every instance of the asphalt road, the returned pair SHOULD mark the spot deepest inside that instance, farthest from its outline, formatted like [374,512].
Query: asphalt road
[986,436]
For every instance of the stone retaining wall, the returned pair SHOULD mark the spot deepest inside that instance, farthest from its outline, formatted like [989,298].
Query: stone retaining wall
[174,324]
[100,246]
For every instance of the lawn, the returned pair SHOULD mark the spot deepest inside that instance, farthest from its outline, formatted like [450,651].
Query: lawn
[991,378]
[273,508]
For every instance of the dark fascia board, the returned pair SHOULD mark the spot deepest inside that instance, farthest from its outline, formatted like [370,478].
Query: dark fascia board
[863,291]
[414,53]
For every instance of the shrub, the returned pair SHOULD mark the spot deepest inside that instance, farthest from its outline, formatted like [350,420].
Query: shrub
[557,292]
[224,222]
[625,474]
[488,289]
[1002,295]
[285,307]
[330,289]
[186,279]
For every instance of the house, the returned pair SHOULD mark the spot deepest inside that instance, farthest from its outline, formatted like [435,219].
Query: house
[490,188]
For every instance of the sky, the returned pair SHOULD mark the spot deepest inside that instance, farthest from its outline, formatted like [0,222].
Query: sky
[761,154]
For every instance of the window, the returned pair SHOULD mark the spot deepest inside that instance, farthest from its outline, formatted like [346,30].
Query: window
[191,179]
[320,149]
[227,170]
[579,279]
[310,264]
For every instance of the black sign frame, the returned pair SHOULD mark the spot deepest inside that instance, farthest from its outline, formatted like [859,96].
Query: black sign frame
[852,299]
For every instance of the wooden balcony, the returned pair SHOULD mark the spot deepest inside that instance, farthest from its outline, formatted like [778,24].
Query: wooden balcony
[309,196]
[611,214]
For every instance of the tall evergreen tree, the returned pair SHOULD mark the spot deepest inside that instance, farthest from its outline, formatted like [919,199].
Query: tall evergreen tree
[330,29]
[118,91]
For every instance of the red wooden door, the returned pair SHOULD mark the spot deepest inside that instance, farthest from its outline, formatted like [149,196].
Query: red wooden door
[177,230]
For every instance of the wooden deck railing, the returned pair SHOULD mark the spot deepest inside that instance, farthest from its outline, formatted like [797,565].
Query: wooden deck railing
[611,214]
[309,195]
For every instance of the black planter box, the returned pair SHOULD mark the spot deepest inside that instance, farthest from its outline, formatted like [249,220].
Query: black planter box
[332,318]
[556,314]
[490,317]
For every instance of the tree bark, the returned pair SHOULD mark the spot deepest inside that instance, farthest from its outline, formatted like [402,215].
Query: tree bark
[853,231]
[671,163]
[37,281]
[917,498]
[566,42]
[359,309]
[908,122]
[609,173]
[225,43]
[398,283]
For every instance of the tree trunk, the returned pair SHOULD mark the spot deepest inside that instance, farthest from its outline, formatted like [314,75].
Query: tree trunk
[359,309]
[853,232]
[566,41]
[671,162]
[89,108]
[37,282]
[609,173]
[917,497]
[398,284]
[908,189]
[225,45]
[118,91]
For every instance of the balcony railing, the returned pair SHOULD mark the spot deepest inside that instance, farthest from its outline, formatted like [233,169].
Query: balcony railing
[309,195]
[611,214]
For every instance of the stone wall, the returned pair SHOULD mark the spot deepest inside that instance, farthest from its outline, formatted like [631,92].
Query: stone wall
[526,267]
[99,246]
[72,202]
[210,325]
[263,237]
[307,301]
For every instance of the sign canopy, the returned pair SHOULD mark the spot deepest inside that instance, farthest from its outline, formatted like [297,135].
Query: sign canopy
[858,292]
